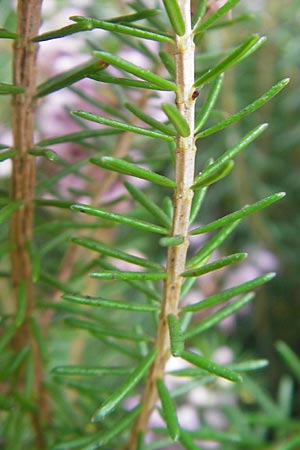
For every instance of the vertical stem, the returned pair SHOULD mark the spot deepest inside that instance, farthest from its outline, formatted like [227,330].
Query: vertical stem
[176,259]
[22,186]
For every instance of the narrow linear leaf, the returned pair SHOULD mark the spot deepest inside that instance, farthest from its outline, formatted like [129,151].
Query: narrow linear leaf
[69,77]
[149,120]
[240,214]
[197,203]
[96,329]
[210,102]
[214,169]
[45,152]
[76,137]
[127,82]
[211,245]
[230,22]
[168,409]
[148,204]
[178,121]
[140,15]
[6,89]
[290,357]
[135,70]
[199,12]
[220,173]
[171,241]
[123,29]
[122,392]
[229,293]
[201,26]
[168,62]
[6,34]
[7,154]
[123,275]
[109,304]
[176,336]
[7,210]
[176,19]
[233,58]
[127,168]
[62,32]
[121,125]
[253,49]
[247,366]
[218,316]
[109,251]
[223,262]
[245,111]
[119,218]
[90,371]
[211,367]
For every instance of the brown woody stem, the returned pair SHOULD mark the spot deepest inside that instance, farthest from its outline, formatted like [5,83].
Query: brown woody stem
[22,188]
[185,160]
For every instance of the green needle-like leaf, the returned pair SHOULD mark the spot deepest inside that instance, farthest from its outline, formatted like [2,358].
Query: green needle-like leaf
[76,137]
[217,175]
[247,366]
[211,367]
[108,304]
[187,441]
[6,34]
[119,218]
[91,370]
[7,210]
[174,13]
[69,77]
[218,316]
[211,246]
[96,329]
[62,32]
[201,26]
[10,89]
[176,336]
[140,15]
[245,111]
[45,152]
[171,241]
[148,204]
[233,58]
[210,102]
[8,154]
[122,275]
[149,120]
[215,168]
[138,71]
[127,168]
[223,262]
[121,125]
[240,214]
[229,293]
[127,82]
[197,202]
[109,251]
[178,121]
[168,62]
[290,358]
[168,410]
[123,29]
[122,392]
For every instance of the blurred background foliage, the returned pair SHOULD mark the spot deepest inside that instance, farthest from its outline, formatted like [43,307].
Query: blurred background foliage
[270,165]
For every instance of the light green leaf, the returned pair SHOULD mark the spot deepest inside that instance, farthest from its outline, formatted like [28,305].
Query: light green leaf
[211,367]
[45,152]
[214,169]
[176,19]
[115,253]
[127,82]
[121,125]
[171,241]
[108,304]
[229,293]
[138,71]
[209,103]
[122,392]
[10,89]
[217,175]
[69,77]
[178,121]
[148,204]
[218,316]
[223,262]
[201,26]
[90,370]
[233,58]
[123,275]
[140,15]
[240,214]
[245,111]
[149,120]
[187,441]
[127,168]
[168,410]
[247,366]
[211,246]
[176,336]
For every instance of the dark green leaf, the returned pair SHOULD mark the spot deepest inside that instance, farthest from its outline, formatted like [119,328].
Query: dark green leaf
[175,16]
[127,82]
[90,370]
[223,262]
[210,102]
[176,336]
[168,409]
[6,34]
[109,304]
[178,121]
[140,15]
[149,120]
[217,175]
[122,392]
[7,154]
[76,137]
[290,358]
[122,275]
[10,89]
[64,31]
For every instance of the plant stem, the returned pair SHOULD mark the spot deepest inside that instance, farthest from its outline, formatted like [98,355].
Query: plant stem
[22,188]
[185,160]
